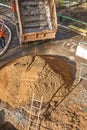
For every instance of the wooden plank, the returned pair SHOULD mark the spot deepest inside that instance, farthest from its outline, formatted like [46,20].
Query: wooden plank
[53,15]
[35,24]
[78,29]
[37,18]
[49,21]
[30,30]
[32,7]
[32,3]
[33,12]
[19,17]
[34,37]
[25,13]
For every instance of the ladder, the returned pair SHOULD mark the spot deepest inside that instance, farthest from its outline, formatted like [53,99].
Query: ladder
[35,113]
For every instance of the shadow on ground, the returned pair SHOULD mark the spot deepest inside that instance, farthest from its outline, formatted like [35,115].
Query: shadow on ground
[4,125]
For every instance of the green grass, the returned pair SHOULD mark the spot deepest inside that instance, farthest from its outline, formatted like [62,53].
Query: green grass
[59,3]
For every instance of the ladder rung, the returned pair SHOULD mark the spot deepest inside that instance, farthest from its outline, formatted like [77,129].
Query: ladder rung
[32,128]
[35,107]
[31,112]
[35,100]
[34,114]
[33,121]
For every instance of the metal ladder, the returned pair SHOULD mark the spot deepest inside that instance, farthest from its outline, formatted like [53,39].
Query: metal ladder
[34,125]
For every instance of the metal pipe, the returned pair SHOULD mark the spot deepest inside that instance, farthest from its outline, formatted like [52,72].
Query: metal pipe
[5,5]
[72,19]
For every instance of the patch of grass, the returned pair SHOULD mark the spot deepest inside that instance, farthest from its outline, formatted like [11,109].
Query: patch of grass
[59,3]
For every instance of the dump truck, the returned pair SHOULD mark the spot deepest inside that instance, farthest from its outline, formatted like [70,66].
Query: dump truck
[37,20]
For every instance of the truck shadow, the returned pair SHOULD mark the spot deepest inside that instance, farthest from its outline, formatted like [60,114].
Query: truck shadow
[63,33]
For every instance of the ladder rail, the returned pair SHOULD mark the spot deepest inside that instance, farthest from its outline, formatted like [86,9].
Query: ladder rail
[36,114]
[31,110]
[39,113]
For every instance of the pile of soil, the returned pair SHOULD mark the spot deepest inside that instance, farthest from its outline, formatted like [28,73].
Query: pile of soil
[41,75]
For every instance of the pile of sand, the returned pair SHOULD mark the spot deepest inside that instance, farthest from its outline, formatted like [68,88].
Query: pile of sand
[41,75]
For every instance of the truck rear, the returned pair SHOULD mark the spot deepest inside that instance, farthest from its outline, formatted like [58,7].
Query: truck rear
[37,19]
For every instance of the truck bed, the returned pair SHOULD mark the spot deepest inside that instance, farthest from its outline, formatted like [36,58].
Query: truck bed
[35,16]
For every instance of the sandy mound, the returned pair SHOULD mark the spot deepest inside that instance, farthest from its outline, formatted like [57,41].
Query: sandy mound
[41,75]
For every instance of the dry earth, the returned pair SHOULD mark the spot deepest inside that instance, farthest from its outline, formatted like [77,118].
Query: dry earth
[33,74]
[42,75]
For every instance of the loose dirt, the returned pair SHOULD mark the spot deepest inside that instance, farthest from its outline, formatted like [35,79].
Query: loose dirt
[41,75]
[72,117]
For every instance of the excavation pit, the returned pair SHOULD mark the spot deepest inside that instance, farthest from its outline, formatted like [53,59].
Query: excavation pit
[41,75]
